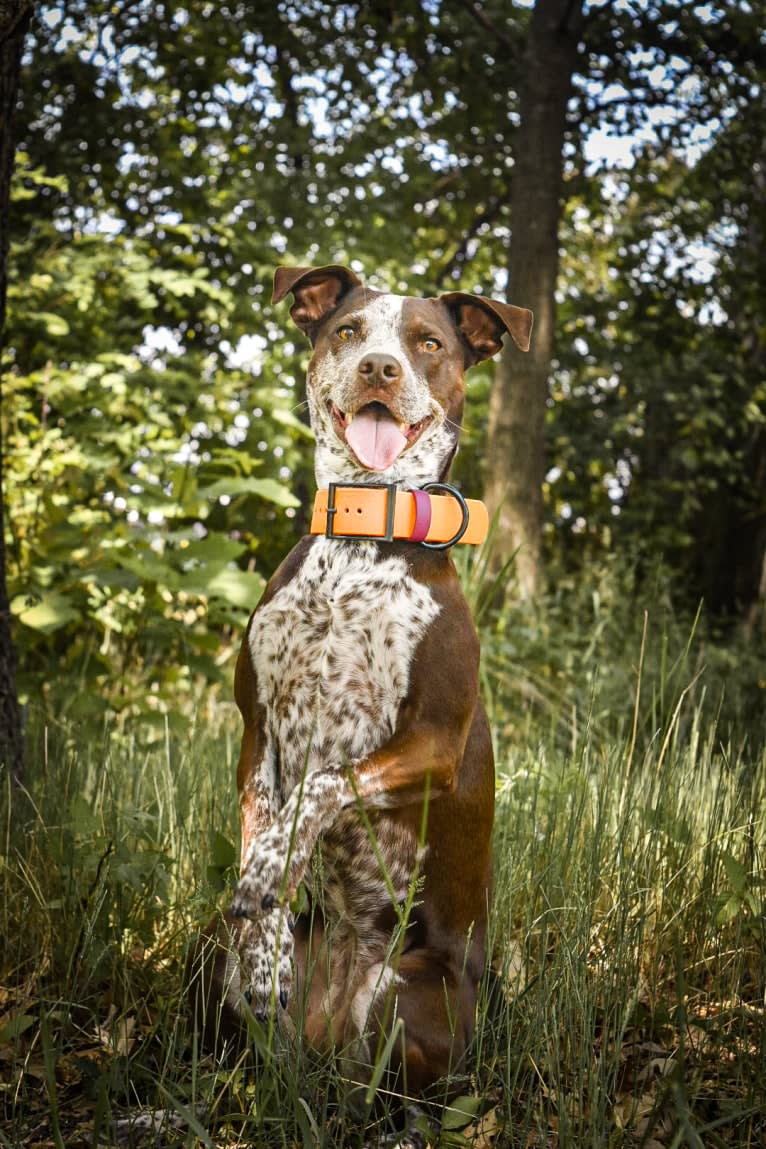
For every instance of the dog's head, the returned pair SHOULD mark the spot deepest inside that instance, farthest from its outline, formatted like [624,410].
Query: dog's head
[385,382]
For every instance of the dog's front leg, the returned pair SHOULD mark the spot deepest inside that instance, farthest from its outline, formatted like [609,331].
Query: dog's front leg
[404,770]
[265,944]
[422,757]
[278,857]
[265,954]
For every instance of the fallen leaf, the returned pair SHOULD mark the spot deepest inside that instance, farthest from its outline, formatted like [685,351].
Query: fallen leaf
[482,1134]
[117,1038]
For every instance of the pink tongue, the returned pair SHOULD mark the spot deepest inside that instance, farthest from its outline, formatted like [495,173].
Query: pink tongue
[375,439]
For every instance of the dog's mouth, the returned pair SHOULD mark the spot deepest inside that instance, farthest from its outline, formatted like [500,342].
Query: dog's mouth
[375,435]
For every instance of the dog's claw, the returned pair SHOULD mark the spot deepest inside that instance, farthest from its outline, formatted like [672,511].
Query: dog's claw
[266,951]
[268,901]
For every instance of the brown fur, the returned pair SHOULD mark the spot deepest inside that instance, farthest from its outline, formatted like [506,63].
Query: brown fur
[335,974]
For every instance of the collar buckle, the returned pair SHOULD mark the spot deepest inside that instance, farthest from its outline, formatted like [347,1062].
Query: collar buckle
[332,511]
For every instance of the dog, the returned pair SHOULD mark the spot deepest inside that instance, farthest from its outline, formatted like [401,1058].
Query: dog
[366,774]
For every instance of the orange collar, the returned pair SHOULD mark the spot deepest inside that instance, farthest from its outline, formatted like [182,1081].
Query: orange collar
[384,513]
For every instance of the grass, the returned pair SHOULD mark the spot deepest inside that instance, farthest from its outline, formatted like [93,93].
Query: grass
[625,1004]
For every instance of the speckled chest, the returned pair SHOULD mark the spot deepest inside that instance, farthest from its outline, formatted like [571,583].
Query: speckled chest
[333,652]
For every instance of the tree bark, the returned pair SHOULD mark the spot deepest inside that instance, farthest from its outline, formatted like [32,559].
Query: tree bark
[15,16]
[516,435]
[751,568]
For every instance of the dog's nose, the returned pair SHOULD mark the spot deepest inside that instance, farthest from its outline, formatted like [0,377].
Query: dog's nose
[379,370]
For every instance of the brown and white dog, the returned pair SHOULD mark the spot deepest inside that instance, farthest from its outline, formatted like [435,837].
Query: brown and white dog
[358,685]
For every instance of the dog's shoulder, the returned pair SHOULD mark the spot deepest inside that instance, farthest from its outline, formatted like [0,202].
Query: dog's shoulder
[436,570]
[287,569]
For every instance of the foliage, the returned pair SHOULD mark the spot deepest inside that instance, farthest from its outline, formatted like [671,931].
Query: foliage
[573,665]
[141,481]
[668,371]
[625,998]
[159,467]
[159,464]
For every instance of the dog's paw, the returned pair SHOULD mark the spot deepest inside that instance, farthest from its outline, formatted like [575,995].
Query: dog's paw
[265,956]
[263,881]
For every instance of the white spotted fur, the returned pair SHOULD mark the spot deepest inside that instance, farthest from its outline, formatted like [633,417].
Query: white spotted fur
[330,685]
[332,378]
[375,983]
[332,652]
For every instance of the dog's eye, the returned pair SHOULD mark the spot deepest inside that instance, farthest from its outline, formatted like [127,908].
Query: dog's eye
[345,333]
[430,344]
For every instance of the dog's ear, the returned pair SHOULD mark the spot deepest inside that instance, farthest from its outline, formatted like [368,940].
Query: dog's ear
[482,322]
[316,290]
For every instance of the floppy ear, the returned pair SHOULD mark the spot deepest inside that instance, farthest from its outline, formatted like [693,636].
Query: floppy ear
[317,291]
[482,322]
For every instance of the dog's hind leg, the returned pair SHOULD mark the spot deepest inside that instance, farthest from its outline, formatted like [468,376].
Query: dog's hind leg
[432,1004]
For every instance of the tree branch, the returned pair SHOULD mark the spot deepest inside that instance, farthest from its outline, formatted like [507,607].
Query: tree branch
[487,215]
[477,14]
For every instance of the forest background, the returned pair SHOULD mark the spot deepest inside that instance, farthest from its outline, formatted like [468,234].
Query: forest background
[603,163]
[600,163]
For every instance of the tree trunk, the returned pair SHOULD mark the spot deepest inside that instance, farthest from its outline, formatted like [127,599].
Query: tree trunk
[14,21]
[516,438]
[754,526]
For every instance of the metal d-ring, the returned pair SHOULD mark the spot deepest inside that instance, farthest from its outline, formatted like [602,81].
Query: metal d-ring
[464,509]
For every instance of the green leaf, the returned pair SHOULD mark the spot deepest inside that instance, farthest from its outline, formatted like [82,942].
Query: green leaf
[735,872]
[151,568]
[49,613]
[731,907]
[752,903]
[242,588]
[110,577]
[54,324]
[460,1112]
[265,489]
[216,546]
